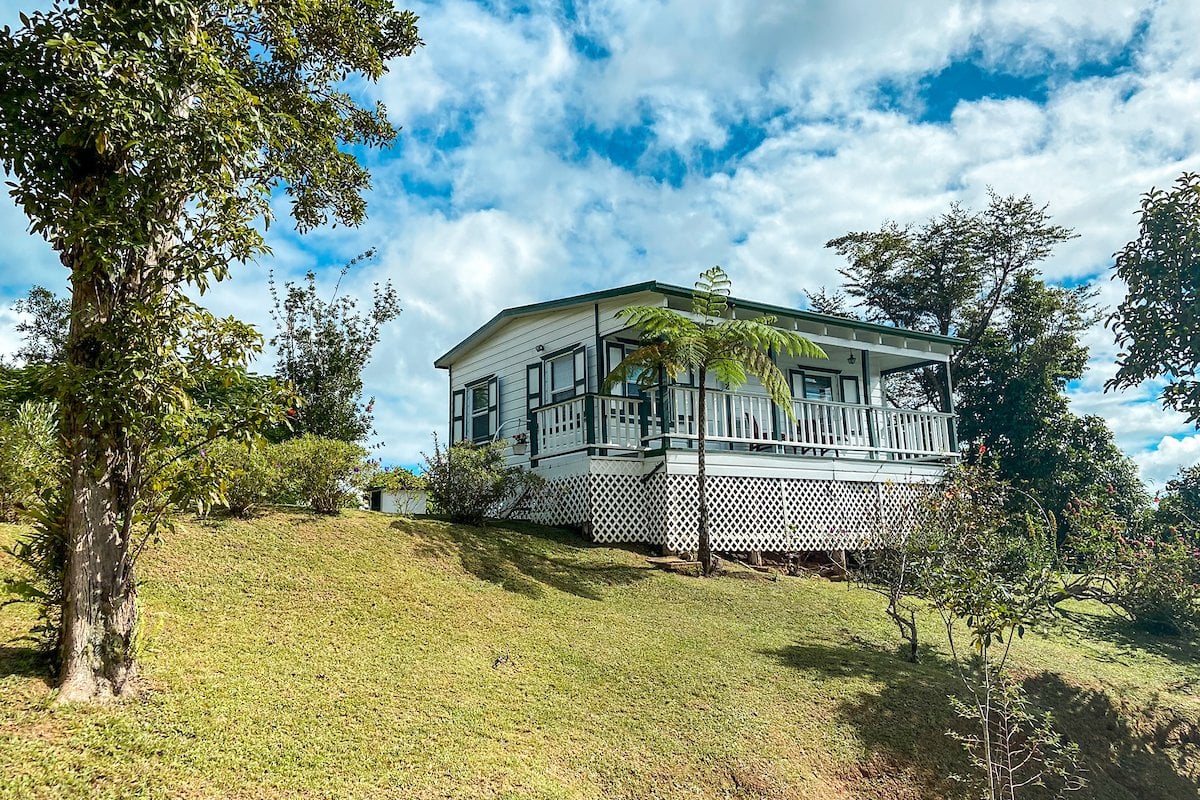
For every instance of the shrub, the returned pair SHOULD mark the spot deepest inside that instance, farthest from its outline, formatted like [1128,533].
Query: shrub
[247,473]
[468,482]
[30,459]
[325,474]
[1148,569]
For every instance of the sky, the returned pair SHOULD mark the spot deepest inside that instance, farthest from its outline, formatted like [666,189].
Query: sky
[549,149]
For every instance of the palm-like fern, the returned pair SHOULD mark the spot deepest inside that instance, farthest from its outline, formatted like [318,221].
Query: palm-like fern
[708,342]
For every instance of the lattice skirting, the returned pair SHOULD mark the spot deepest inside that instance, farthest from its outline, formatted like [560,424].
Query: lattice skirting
[747,513]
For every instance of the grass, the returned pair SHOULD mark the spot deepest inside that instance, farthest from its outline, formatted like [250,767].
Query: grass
[367,656]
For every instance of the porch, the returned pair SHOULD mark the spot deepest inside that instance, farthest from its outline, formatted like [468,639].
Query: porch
[666,419]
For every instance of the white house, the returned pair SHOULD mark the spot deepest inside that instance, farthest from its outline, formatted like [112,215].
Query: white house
[622,465]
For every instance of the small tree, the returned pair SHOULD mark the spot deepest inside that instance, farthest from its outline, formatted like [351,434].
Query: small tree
[43,330]
[1156,323]
[327,475]
[709,343]
[992,573]
[322,348]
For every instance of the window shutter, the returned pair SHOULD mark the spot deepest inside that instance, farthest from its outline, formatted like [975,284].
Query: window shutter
[533,386]
[615,355]
[581,376]
[458,403]
[493,405]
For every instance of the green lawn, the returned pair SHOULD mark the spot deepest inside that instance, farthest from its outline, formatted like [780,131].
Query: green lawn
[366,656]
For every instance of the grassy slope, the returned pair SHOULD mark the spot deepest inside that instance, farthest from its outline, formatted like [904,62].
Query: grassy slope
[366,656]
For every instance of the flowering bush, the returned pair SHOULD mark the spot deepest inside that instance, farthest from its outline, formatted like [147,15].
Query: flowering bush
[1149,570]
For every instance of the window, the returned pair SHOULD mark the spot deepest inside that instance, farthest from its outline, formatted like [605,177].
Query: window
[480,418]
[850,392]
[818,387]
[561,373]
[617,351]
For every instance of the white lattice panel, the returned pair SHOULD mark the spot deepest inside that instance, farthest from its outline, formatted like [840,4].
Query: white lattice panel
[746,513]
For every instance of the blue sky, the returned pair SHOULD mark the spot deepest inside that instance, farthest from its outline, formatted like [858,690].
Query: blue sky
[550,149]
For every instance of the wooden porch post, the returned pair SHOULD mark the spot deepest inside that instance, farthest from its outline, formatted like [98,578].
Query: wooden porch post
[868,391]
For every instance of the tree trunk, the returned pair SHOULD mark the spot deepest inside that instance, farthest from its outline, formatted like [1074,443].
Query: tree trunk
[703,545]
[99,595]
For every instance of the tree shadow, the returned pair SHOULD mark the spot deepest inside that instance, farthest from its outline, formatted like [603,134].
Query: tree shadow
[23,661]
[904,724]
[1130,639]
[524,559]
[1136,754]
[1131,753]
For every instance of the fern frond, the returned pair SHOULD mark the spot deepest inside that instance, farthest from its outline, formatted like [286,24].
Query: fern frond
[710,297]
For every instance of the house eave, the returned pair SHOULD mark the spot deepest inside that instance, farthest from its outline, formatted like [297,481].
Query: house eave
[448,358]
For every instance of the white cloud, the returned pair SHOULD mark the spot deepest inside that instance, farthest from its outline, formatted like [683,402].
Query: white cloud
[1171,454]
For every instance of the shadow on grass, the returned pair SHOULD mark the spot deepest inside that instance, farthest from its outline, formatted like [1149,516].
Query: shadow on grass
[904,724]
[1131,639]
[524,559]
[1130,753]
[24,661]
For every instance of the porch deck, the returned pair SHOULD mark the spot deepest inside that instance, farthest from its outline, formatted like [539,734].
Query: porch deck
[603,424]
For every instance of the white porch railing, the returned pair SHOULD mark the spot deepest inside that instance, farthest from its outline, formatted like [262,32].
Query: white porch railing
[820,427]
[591,420]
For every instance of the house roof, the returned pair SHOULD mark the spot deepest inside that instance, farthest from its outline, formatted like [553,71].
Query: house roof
[447,359]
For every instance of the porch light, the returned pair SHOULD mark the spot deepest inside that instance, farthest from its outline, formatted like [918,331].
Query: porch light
[851,359]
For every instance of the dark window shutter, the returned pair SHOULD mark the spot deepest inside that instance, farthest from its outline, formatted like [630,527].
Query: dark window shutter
[493,405]
[581,376]
[458,404]
[533,386]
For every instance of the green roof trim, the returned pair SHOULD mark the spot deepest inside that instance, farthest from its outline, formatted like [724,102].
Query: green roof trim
[444,361]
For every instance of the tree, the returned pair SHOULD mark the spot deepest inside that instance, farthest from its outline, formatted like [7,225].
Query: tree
[1157,324]
[948,276]
[45,331]
[974,275]
[144,142]
[708,342]
[322,348]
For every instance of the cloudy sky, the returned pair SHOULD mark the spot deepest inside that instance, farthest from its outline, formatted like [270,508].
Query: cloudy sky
[550,149]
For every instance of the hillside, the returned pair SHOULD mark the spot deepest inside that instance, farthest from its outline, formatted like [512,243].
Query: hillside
[369,656]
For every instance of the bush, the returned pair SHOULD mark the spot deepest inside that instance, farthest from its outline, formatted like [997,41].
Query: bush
[468,482]
[324,474]
[30,459]
[248,473]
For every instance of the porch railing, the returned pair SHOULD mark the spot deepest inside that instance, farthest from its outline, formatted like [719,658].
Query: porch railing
[738,421]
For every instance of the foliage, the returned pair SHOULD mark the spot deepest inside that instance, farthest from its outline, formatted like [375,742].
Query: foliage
[1156,323]
[44,332]
[974,275]
[247,472]
[31,463]
[145,142]
[323,348]
[325,474]
[1031,752]
[30,459]
[395,479]
[993,573]
[707,342]
[469,482]
[1148,568]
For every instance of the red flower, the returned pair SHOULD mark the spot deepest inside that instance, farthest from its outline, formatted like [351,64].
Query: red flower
[291,412]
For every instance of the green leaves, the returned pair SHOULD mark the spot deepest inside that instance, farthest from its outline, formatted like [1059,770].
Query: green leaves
[1157,322]
[732,349]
